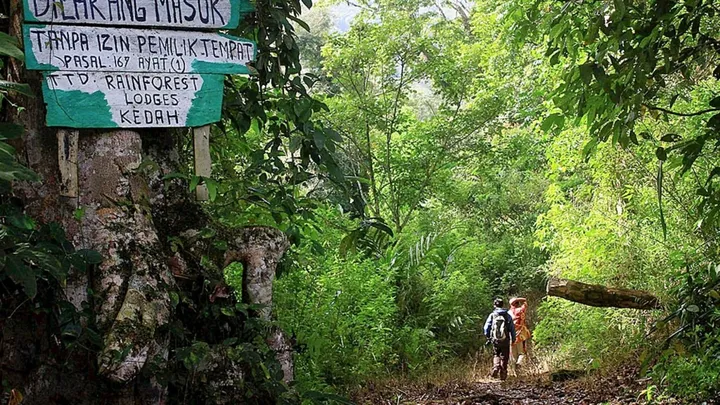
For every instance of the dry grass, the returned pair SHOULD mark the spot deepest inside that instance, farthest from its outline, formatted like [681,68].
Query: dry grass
[459,373]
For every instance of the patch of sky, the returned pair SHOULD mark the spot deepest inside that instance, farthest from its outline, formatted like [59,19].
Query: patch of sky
[342,13]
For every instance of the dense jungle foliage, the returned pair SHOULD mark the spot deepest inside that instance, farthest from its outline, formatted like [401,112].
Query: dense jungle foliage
[436,155]
[490,145]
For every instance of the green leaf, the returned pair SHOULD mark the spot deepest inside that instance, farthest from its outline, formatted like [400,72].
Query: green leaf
[661,154]
[714,121]
[586,73]
[671,138]
[599,74]
[256,126]
[175,175]
[90,256]
[713,173]
[319,139]
[8,46]
[362,180]
[589,148]
[212,187]
[295,142]
[194,181]
[715,103]
[21,274]
[553,120]
[21,88]
[300,22]
[21,221]
[230,341]
[347,244]
[381,226]
[10,131]
[253,71]
[174,299]
[619,7]
[79,213]
[633,138]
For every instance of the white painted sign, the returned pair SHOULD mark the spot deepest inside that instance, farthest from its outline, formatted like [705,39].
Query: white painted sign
[175,13]
[100,49]
[131,100]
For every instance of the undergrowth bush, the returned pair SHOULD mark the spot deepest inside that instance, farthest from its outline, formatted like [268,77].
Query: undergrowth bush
[691,376]
[687,364]
[357,318]
[577,336]
[342,314]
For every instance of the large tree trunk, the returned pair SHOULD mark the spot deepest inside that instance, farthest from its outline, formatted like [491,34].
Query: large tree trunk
[601,296]
[133,217]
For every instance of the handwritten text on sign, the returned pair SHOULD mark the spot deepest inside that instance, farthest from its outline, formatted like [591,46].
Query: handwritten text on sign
[73,48]
[176,13]
[111,100]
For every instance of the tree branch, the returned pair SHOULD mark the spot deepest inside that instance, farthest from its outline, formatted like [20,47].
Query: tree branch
[693,114]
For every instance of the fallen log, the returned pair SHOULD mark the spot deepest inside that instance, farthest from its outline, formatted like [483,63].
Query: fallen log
[601,296]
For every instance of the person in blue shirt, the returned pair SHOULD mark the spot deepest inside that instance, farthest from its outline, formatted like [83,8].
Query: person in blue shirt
[500,331]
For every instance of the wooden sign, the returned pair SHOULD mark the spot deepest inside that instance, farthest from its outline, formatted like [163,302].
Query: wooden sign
[161,13]
[101,49]
[110,77]
[125,100]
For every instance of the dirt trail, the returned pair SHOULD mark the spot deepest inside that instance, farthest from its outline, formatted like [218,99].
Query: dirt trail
[624,389]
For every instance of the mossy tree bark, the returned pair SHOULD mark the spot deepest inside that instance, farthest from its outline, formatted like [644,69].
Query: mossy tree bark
[260,248]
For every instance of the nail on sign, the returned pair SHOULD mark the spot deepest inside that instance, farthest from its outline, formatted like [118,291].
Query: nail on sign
[173,13]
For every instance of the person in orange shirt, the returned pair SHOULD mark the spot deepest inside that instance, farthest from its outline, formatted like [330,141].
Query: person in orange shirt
[518,350]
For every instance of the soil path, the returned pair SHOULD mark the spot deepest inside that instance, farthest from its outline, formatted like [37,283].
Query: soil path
[624,389]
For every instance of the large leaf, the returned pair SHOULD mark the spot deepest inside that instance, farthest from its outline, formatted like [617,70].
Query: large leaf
[21,88]
[49,263]
[21,274]
[11,170]
[90,256]
[10,131]
[9,47]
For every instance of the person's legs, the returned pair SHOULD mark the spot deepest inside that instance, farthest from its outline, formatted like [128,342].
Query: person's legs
[497,362]
[504,357]
[515,352]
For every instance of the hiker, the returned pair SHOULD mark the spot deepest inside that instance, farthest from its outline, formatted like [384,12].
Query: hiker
[500,331]
[518,349]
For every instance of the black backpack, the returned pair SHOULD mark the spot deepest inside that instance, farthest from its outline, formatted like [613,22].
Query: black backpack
[499,329]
